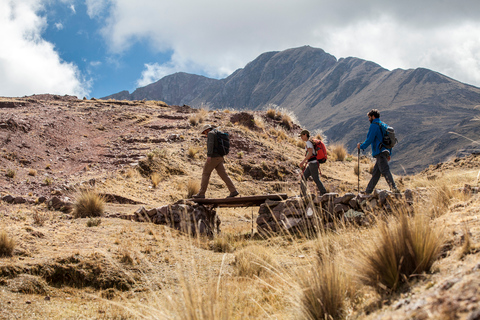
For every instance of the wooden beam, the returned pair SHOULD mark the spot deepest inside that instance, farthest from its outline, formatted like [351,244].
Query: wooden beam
[250,201]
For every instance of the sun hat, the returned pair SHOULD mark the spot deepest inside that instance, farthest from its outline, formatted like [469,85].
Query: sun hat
[206,127]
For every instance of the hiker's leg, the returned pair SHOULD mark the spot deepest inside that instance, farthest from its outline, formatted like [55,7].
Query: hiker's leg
[303,181]
[314,172]
[385,170]
[374,180]
[223,173]
[207,171]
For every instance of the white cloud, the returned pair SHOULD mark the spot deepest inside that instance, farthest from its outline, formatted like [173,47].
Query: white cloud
[221,36]
[96,8]
[29,64]
[59,26]
[72,7]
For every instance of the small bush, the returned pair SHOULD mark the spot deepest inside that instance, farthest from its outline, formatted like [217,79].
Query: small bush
[88,204]
[271,113]
[339,151]
[193,120]
[10,173]
[39,218]
[94,222]
[287,121]
[192,152]
[240,154]
[401,249]
[202,115]
[48,181]
[441,197]
[193,186]
[254,261]
[32,172]
[156,178]
[222,244]
[6,245]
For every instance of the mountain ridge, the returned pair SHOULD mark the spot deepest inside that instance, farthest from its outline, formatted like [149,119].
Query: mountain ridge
[333,95]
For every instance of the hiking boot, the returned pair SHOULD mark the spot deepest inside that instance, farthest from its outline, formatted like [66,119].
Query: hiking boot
[233,194]
[198,196]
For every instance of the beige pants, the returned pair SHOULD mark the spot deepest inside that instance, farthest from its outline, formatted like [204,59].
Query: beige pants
[217,164]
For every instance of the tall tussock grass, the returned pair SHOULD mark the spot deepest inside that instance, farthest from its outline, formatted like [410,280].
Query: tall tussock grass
[254,261]
[401,248]
[88,204]
[338,151]
[324,290]
[7,245]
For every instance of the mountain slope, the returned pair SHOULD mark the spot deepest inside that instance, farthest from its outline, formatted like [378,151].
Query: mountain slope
[334,96]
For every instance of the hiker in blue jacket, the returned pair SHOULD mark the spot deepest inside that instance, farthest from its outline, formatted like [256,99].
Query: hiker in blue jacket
[379,152]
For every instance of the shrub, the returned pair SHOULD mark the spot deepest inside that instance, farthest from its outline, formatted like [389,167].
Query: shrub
[32,172]
[240,154]
[94,222]
[339,151]
[11,173]
[441,197]
[88,204]
[287,121]
[192,152]
[254,261]
[193,186]
[222,244]
[193,120]
[271,113]
[401,248]
[6,245]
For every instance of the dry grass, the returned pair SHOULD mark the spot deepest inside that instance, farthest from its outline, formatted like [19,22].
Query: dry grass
[88,204]
[402,248]
[324,289]
[254,261]
[441,197]
[39,218]
[338,151]
[192,152]
[7,245]
[271,113]
[32,172]
[94,222]
[193,186]
[156,178]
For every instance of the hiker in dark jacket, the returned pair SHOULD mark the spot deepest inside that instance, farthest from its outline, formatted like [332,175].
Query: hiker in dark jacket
[309,165]
[214,161]
[379,152]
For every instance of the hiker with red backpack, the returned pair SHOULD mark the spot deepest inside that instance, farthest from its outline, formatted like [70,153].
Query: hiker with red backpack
[315,152]
[381,151]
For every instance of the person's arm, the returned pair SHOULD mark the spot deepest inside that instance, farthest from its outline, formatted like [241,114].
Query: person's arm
[370,138]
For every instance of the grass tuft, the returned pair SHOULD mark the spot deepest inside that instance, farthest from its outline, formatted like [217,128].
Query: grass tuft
[402,248]
[254,261]
[193,186]
[88,204]
[156,178]
[7,245]
[339,152]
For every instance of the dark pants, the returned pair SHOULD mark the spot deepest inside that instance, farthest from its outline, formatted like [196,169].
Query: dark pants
[311,171]
[381,168]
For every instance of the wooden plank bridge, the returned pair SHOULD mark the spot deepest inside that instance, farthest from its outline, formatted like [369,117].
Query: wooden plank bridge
[249,201]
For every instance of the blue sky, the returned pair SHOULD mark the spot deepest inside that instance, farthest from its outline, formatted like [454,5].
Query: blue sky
[95,48]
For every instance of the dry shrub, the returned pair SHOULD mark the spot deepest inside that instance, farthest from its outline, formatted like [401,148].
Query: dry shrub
[441,197]
[356,169]
[272,113]
[192,152]
[10,173]
[193,186]
[7,245]
[254,261]
[287,121]
[131,173]
[324,290]
[193,120]
[402,248]
[94,222]
[39,218]
[88,204]
[156,178]
[258,122]
[202,115]
[32,172]
[339,151]
[28,284]
[222,244]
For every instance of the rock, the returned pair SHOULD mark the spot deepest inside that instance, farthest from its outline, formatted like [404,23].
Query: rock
[19,200]
[8,199]
[58,204]
[345,199]
[329,197]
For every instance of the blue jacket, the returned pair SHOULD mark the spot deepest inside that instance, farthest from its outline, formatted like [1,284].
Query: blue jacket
[375,137]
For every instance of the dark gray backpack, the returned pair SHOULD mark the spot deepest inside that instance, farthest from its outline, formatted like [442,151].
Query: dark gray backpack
[389,140]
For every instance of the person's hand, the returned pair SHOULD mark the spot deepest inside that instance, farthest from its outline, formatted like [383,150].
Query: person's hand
[388,158]
[302,164]
[358,145]
[209,159]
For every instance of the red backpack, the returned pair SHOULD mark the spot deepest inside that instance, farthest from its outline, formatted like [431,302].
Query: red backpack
[320,149]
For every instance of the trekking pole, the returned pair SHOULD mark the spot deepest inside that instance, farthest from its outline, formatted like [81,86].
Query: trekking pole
[358,168]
